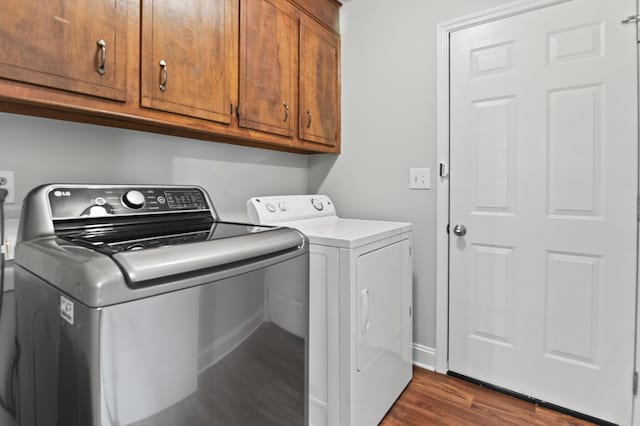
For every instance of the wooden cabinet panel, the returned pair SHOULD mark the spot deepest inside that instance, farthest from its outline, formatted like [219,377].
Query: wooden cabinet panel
[268,66]
[49,59]
[319,113]
[327,11]
[55,44]
[193,39]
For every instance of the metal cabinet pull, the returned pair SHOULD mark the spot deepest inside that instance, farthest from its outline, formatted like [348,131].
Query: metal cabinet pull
[164,75]
[286,112]
[309,119]
[103,56]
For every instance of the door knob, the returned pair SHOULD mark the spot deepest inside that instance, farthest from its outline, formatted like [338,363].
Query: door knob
[460,230]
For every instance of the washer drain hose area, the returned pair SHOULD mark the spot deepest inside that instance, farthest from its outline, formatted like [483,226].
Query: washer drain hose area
[3,196]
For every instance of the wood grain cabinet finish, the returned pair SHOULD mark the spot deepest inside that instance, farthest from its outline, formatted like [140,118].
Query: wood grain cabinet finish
[268,66]
[319,115]
[235,71]
[186,57]
[73,45]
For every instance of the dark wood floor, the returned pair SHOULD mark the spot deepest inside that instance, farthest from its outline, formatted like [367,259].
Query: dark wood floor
[436,399]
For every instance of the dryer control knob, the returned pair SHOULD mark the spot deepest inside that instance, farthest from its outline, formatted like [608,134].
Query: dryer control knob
[271,207]
[133,199]
[282,206]
[317,204]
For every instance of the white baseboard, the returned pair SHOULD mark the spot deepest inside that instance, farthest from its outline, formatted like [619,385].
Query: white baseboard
[424,357]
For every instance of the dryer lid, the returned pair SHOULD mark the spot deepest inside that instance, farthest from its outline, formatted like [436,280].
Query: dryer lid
[347,233]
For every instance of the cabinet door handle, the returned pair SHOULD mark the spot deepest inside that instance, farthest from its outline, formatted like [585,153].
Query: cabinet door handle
[102,45]
[164,75]
[308,119]
[286,112]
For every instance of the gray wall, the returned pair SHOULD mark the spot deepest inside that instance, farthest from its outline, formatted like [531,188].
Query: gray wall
[41,151]
[388,87]
[389,125]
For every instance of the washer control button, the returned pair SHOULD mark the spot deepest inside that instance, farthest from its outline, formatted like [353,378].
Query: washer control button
[283,206]
[99,201]
[317,204]
[271,207]
[161,199]
[133,199]
[98,211]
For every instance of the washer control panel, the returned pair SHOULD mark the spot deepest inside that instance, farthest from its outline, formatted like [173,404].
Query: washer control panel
[69,202]
[286,208]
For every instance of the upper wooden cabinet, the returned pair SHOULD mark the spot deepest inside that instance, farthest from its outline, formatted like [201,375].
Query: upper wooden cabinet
[73,45]
[319,117]
[261,73]
[186,58]
[268,66]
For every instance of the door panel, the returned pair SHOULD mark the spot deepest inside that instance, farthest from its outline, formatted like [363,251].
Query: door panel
[268,63]
[575,116]
[55,44]
[193,38]
[573,286]
[544,176]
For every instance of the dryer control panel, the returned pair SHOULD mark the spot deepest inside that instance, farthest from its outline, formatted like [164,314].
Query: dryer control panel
[286,208]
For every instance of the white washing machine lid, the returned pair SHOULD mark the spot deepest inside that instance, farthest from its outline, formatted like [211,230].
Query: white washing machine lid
[334,231]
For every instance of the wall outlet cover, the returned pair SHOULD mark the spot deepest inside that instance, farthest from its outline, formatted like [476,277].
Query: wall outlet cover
[8,182]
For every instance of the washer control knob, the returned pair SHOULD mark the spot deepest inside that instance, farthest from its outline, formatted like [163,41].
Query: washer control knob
[282,206]
[271,207]
[317,204]
[133,199]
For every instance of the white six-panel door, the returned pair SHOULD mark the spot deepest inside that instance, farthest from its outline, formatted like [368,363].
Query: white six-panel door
[544,177]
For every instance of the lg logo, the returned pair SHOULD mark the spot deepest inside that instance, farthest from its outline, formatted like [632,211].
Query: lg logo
[62,193]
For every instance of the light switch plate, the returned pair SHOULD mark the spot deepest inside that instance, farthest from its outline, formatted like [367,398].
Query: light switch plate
[419,178]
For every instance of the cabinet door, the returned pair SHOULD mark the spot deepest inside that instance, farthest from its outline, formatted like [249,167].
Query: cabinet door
[186,57]
[268,66]
[319,83]
[78,45]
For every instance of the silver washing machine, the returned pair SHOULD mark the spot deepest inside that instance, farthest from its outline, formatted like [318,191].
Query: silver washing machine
[137,306]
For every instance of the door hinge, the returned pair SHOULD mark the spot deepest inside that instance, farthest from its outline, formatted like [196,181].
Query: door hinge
[444,170]
[632,19]
[238,111]
[635,382]
[447,228]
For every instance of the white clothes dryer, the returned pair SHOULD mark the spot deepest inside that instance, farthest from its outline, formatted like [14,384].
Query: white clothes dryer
[360,337]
